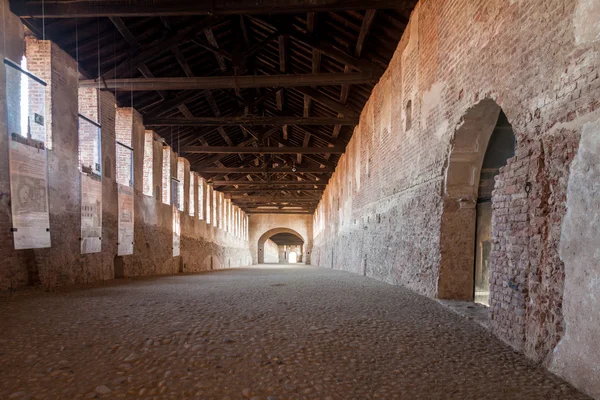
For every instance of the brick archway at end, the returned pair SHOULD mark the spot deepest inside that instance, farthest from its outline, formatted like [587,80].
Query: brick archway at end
[271,232]
[461,187]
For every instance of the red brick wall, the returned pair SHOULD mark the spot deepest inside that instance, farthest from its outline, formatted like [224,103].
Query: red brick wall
[381,214]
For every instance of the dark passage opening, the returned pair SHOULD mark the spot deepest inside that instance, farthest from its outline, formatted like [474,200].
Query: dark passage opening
[501,147]
[119,267]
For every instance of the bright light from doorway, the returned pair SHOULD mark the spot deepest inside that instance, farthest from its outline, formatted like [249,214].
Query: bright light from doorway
[293,259]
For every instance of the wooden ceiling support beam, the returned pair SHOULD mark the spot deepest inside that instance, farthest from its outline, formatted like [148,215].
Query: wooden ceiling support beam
[231,121]
[257,170]
[269,184]
[132,63]
[280,212]
[326,101]
[263,189]
[226,82]
[261,150]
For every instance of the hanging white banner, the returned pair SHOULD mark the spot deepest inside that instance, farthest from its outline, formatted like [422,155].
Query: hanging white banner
[125,203]
[26,126]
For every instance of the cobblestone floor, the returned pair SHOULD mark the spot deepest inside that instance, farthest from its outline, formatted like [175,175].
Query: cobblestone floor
[289,333]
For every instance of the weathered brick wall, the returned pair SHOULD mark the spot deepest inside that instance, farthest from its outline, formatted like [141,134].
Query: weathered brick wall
[387,212]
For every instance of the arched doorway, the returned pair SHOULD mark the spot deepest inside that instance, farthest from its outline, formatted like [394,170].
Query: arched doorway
[277,246]
[482,144]
[500,148]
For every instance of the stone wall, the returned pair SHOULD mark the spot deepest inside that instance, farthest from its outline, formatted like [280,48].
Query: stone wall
[400,205]
[203,246]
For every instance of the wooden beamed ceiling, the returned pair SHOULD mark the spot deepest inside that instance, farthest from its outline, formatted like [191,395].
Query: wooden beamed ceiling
[261,96]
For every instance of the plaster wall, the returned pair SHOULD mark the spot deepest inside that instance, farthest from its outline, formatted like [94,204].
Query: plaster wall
[389,212]
[271,252]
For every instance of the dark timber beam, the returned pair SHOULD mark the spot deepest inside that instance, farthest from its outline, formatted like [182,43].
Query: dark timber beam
[158,8]
[280,212]
[261,150]
[229,121]
[262,189]
[244,199]
[272,183]
[252,170]
[227,82]
[157,49]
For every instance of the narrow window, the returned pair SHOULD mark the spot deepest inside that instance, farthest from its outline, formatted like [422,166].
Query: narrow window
[408,115]
[148,166]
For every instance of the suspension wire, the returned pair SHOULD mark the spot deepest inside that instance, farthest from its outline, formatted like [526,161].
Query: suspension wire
[77,45]
[99,71]
[4,28]
[43,20]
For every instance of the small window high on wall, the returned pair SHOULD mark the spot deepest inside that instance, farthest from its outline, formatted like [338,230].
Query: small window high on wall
[27,159]
[148,167]
[166,176]
[408,115]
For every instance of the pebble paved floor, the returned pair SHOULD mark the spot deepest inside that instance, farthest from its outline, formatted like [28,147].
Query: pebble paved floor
[257,333]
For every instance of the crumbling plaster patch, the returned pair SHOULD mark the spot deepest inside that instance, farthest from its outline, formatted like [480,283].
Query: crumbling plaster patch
[575,357]
[585,21]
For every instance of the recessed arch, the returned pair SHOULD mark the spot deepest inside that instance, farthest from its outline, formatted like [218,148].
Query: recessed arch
[272,232]
[460,198]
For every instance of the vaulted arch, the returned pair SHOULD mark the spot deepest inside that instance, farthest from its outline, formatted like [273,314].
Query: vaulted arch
[463,184]
[272,232]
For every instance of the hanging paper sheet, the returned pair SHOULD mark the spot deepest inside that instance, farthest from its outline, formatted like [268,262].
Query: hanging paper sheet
[26,126]
[176,231]
[91,213]
[125,198]
[91,186]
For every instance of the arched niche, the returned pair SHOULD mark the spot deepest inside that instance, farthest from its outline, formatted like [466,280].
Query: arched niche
[460,195]
[267,235]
